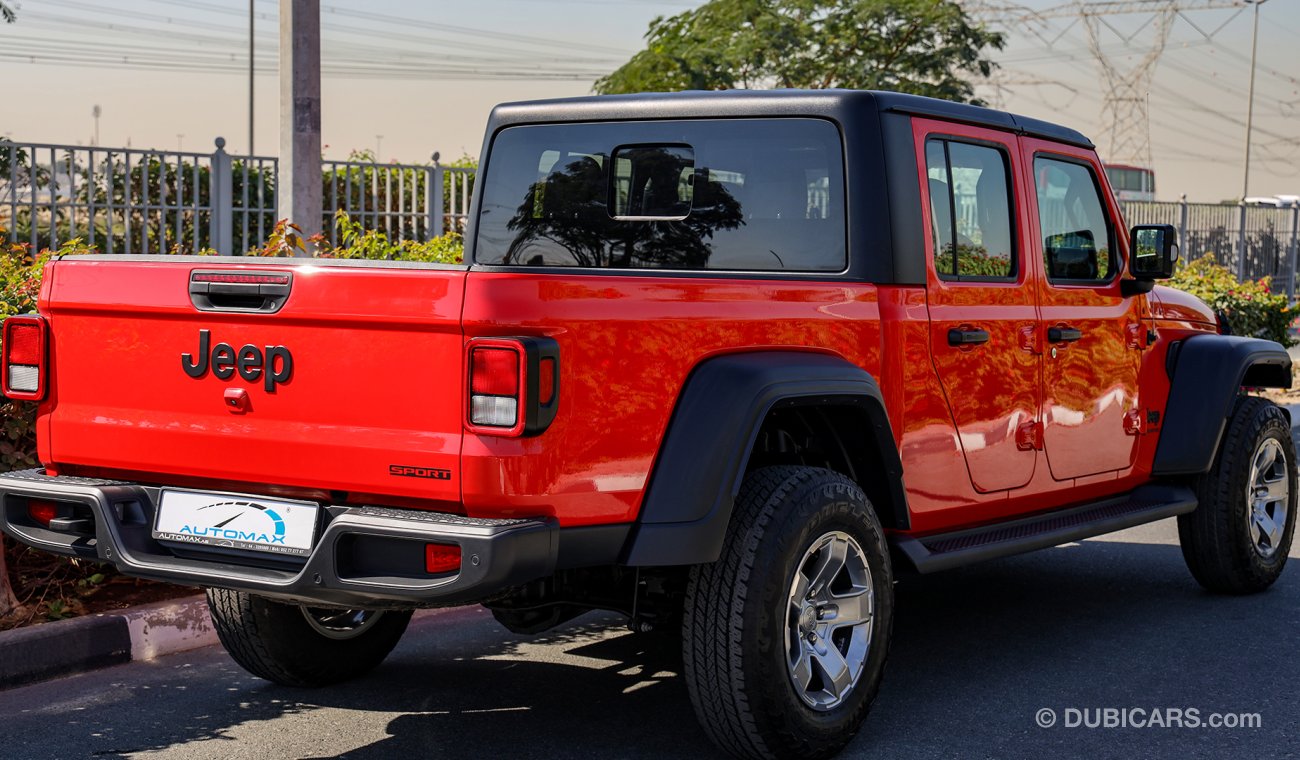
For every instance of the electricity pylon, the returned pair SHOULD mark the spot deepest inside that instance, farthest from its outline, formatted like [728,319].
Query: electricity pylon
[1125,80]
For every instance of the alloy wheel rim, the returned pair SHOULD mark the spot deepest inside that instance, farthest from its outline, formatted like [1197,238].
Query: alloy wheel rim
[829,616]
[340,624]
[1268,498]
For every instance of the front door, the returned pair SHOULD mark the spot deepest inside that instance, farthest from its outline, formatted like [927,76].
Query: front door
[1091,331]
[981,299]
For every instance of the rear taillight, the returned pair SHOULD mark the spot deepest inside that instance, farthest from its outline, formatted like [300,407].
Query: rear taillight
[513,385]
[23,344]
[494,382]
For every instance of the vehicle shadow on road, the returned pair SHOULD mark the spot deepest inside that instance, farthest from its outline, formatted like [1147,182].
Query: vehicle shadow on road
[601,692]
[976,652]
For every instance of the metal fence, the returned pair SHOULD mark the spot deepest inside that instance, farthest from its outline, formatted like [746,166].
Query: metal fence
[121,200]
[405,201]
[132,200]
[1251,241]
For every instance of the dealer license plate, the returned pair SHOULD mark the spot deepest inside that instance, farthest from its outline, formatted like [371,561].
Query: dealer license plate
[236,521]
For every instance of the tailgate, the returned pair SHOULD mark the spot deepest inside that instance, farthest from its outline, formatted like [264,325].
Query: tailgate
[353,384]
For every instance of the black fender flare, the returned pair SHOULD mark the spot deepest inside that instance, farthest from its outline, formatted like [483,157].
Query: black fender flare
[1206,374]
[702,457]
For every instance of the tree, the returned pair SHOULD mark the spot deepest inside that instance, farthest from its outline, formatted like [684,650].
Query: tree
[7,12]
[925,47]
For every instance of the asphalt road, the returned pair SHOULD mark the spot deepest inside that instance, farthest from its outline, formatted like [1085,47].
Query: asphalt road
[1115,622]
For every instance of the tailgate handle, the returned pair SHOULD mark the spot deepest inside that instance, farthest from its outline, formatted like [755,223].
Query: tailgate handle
[240,290]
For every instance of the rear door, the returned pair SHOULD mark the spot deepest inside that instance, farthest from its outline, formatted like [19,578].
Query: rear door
[981,298]
[1092,331]
[357,372]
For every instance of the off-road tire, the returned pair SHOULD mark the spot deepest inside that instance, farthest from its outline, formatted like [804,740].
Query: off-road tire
[1215,537]
[273,640]
[733,626]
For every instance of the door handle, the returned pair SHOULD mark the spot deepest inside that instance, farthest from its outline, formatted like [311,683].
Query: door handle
[1063,334]
[967,336]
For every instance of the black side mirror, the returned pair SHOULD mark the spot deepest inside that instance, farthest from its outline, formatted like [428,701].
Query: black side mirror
[1154,249]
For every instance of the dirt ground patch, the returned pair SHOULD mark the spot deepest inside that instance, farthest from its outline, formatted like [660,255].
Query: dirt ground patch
[53,588]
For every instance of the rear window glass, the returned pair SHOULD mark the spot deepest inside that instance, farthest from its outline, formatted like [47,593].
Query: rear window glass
[737,194]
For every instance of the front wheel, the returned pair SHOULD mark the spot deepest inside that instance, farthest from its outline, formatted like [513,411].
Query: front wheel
[293,645]
[1237,539]
[785,636]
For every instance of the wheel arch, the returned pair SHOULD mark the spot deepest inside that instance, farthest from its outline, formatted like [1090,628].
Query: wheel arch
[1206,374]
[711,439]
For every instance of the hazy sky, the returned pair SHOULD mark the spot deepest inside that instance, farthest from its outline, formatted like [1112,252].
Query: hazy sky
[425,74]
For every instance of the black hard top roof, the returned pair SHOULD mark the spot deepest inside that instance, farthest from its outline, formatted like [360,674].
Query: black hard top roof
[831,104]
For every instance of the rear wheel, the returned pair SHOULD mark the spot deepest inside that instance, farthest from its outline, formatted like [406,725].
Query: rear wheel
[785,636]
[1238,538]
[294,645]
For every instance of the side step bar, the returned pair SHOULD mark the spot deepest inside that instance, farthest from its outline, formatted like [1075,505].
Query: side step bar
[948,550]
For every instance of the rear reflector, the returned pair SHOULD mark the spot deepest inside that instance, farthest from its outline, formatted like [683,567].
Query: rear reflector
[441,558]
[546,381]
[42,511]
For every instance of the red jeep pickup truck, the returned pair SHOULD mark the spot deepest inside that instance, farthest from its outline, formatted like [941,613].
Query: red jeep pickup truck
[724,362]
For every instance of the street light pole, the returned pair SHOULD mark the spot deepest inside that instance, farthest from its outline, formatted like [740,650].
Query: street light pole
[298,186]
[251,150]
[1250,104]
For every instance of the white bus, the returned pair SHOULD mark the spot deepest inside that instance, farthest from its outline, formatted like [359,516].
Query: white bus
[1132,183]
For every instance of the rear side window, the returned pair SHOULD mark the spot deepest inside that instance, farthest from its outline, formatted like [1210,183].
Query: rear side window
[970,211]
[736,194]
[1077,238]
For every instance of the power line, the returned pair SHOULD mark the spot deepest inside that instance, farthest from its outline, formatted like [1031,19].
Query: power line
[353,59]
[387,37]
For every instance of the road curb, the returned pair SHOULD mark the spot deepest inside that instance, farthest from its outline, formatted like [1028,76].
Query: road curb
[86,643]
[79,645]
[169,627]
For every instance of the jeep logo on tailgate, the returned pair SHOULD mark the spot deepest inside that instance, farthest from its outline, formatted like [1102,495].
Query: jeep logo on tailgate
[274,367]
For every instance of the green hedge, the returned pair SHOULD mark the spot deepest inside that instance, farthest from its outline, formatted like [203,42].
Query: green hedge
[1251,307]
